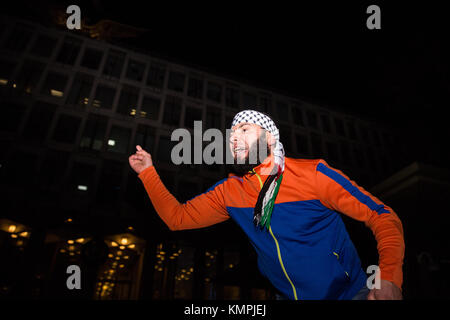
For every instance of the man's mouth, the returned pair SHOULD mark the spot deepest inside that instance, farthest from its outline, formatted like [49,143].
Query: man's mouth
[239,150]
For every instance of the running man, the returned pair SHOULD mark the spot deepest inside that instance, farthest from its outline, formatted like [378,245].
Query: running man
[290,210]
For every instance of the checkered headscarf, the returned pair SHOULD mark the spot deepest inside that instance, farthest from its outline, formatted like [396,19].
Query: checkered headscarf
[266,199]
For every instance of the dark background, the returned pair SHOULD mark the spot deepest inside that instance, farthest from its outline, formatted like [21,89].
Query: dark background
[320,51]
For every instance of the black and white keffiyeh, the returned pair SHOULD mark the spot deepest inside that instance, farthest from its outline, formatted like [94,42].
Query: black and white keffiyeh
[269,190]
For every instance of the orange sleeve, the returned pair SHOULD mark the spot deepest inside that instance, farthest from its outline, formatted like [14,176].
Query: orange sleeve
[202,211]
[339,193]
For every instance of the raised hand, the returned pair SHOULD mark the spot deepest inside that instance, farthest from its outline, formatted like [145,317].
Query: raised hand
[141,160]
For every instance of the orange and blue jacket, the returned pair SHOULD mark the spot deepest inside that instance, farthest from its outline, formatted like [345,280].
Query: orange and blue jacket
[307,252]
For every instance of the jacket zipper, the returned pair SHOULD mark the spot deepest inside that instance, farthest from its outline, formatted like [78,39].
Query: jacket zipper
[278,247]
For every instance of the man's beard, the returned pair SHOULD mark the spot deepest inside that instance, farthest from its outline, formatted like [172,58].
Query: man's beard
[244,166]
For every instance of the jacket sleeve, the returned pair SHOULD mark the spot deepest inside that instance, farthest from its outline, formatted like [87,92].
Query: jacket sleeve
[338,192]
[202,211]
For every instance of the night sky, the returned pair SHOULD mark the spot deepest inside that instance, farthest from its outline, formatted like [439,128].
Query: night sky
[323,53]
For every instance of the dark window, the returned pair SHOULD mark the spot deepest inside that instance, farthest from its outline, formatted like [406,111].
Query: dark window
[376,138]
[312,119]
[165,146]
[80,90]
[186,190]
[372,160]
[135,195]
[359,156]
[145,137]
[29,76]
[248,100]
[53,168]
[156,75]
[283,111]
[195,88]
[119,139]
[150,108]
[54,84]
[69,51]
[297,116]
[214,92]
[176,81]
[20,167]
[92,58]
[172,111]
[82,177]
[285,138]
[345,153]
[135,70]
[332,151]
[39,121]
[316,145]
[266,105]
[110,182]
[351,130]
[43,46]
[213,118]
[191,115]
[128,100]
[104,97]
[18,39]
[364,134]
[302,143]
[228,121]
[232,97]
[114,63]
[326,125]
[66,128]
[6,71]
[12,116]
[94,132]
[339,124]
[168,178]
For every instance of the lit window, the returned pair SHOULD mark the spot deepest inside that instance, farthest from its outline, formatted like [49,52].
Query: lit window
[104,97]
[94,132]
[54,84]
[128,100]
[121,137]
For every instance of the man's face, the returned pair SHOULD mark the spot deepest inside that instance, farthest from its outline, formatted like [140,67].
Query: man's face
[246,140]
[242,137]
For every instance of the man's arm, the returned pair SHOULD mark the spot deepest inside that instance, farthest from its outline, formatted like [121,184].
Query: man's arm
[202,211]
[339,193]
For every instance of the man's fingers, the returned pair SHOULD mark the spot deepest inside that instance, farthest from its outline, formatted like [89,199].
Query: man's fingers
[138,147]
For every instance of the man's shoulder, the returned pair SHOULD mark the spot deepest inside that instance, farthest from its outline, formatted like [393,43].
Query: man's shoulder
[300,163]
